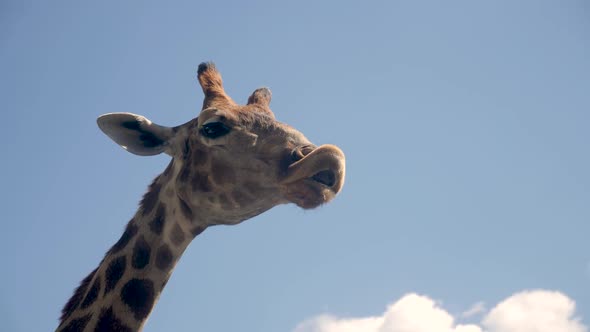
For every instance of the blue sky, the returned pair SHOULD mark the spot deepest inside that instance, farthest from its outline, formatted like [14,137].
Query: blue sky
[465,126]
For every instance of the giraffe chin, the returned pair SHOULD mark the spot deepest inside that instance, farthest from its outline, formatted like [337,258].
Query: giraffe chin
[308,193]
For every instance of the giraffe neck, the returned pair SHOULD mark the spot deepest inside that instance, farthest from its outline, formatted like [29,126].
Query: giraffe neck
[122,291]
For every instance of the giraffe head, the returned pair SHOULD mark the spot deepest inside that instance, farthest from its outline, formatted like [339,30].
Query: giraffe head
[233,161]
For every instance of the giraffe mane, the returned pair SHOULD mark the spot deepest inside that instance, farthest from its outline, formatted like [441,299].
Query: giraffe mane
[77,298]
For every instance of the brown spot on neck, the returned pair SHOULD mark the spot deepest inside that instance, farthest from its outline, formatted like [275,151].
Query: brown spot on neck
[109,322]
[139,296]
[114,273]
[141,253]
[177,236]
[157,224]
[187,212]
[151,197]
[92,294]
[164,257]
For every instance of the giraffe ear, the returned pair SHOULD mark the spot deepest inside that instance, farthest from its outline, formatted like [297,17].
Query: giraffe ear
[135,133]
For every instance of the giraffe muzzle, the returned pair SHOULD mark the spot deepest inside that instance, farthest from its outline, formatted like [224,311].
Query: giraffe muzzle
[323,166]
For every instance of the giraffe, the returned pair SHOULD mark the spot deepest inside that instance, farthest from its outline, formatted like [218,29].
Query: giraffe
[229,164]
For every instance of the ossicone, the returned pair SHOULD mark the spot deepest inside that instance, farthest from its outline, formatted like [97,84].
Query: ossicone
[212,84]
[261,96]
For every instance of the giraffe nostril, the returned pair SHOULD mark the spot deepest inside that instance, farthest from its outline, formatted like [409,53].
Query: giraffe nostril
[299,152]
[296,155]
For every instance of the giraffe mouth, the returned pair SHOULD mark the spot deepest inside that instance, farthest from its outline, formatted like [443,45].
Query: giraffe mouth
[316,177]
[327,178]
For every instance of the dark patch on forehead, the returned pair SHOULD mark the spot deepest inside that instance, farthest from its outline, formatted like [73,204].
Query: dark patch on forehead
[177,236]
[148,139]
[141,253]
[198,230]
[200,182]
[157,224]
[139,296]
[77,325]
[107,321]
[76,298]
[164,257]
[128,234]
[151,197]
[114,272]
[92,293]
[222,173]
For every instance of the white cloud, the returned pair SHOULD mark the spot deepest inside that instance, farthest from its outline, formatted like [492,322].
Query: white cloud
[533,311]
[412,313]
[538,311]
[475,309]
[327,323]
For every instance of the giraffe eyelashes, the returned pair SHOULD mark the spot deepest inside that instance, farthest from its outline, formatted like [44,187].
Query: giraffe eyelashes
[214,130]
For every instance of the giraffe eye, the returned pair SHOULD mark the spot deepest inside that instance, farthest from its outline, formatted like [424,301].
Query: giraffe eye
[214,129]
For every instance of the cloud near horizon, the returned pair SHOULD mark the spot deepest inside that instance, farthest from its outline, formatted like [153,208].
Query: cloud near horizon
[526,311]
